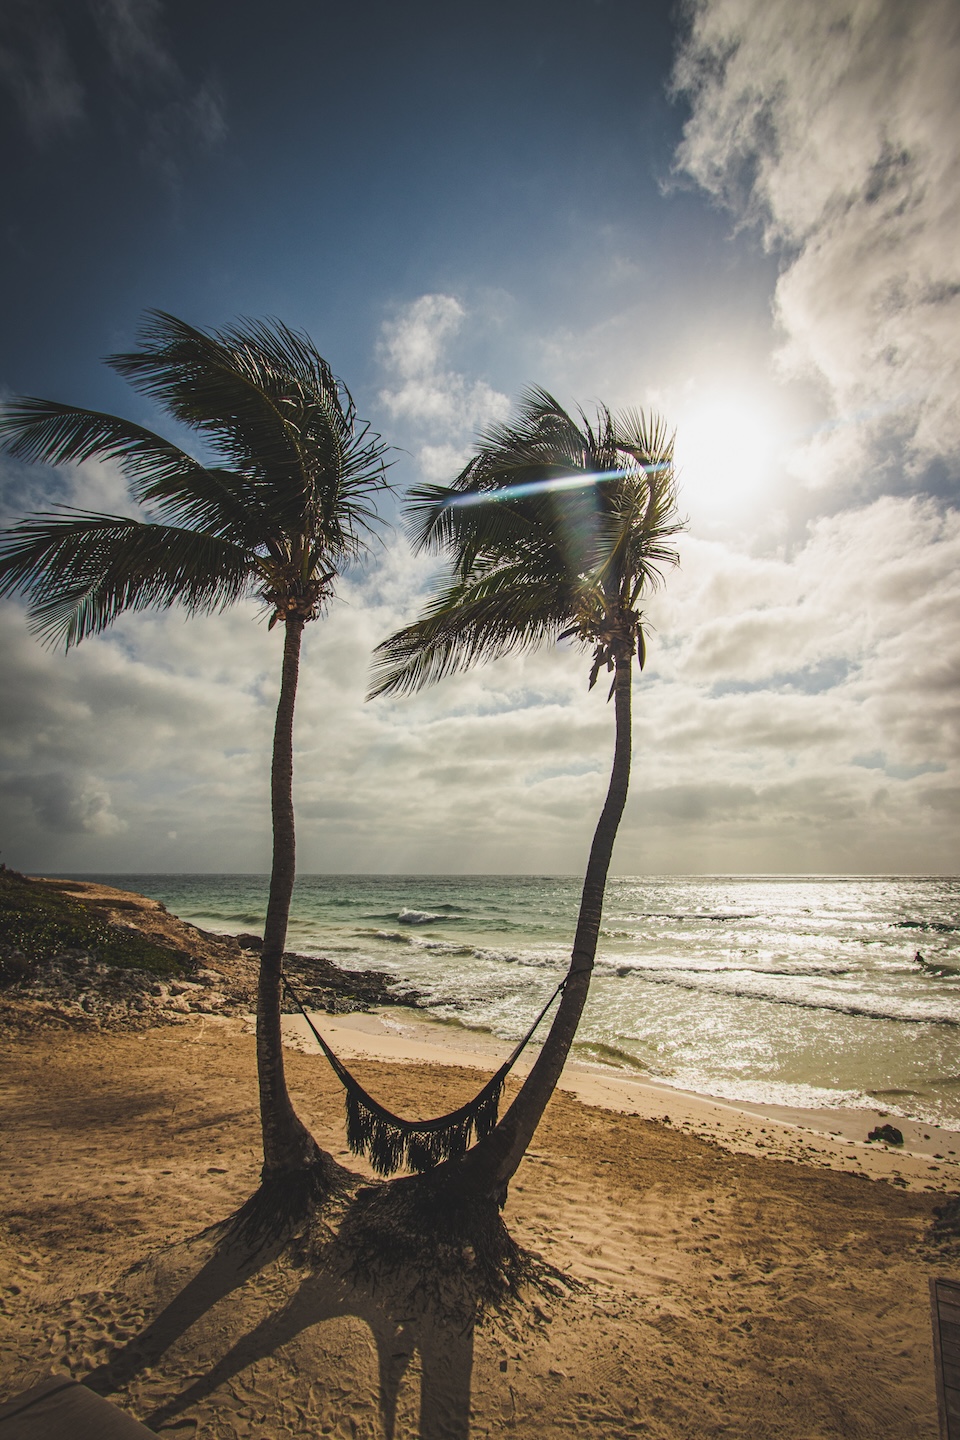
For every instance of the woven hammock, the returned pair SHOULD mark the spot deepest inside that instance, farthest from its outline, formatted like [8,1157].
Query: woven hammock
[390,1142]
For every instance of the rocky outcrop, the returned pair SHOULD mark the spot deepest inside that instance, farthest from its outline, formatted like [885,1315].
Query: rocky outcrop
[183,971]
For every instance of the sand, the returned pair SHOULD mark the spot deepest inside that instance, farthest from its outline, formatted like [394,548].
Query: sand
[719,1270]
[726,1276]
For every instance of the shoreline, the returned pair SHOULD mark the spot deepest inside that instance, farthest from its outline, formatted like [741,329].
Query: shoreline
[832,1138]
[829,1137]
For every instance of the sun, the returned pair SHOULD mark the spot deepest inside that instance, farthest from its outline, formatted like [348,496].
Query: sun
[728,451]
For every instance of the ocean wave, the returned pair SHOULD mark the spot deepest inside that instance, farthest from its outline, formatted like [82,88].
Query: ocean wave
[613,1055]
[529,959]
[864,1010]
[936,925]
[439,950]
[405,916]
[420,917]
[743,1090]
[799,971]
[455,915]
[225,917]
[689,915]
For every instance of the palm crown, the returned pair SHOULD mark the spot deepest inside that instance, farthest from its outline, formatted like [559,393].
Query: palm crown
[554,529]
[283,500]
[284,503]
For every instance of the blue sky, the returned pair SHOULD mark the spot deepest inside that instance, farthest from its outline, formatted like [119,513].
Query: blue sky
[741,214]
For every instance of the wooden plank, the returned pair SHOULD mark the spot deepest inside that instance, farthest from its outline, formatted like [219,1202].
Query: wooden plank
[944,1297]
[949,1335]
[60,1407]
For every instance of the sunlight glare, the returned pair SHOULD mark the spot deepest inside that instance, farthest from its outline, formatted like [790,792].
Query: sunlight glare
[727,451]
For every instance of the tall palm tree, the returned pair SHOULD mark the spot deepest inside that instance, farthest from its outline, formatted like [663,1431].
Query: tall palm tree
[555,530]
[283,499]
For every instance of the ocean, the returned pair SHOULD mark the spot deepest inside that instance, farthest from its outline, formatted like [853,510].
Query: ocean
[801,991]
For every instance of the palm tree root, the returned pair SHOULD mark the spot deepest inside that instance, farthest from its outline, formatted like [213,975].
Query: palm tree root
[449,1251]
[292,1206]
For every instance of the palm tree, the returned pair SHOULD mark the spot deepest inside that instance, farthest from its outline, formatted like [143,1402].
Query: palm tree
[282,501]
[555,530]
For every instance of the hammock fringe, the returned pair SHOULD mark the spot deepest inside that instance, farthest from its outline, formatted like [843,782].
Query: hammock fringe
[390,1142]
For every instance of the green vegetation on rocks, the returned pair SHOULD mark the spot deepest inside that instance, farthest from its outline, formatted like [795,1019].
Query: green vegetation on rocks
[39,924]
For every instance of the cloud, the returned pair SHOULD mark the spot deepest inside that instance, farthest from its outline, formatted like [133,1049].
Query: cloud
[130,30]
[37,69]
[442,408]
[94,485]
[187,118]
[798,712]
[414,342]
[51,69]
[132,33]
[66,804]
[833,128]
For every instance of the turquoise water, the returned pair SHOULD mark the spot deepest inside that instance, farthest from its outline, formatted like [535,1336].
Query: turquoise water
[796,991]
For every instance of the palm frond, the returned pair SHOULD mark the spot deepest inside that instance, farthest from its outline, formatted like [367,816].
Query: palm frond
[514,528]
[271,405]
[79,571]
[220,382]
[160,474]
[301,474]
[499,614]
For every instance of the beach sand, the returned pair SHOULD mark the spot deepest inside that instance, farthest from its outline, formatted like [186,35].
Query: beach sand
[729,1273]
[719,1270]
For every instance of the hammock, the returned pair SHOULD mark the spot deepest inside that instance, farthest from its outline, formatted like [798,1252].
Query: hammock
[390,1142]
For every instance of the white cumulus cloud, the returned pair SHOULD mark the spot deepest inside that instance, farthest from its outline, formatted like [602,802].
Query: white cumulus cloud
[442,407]
[834,127]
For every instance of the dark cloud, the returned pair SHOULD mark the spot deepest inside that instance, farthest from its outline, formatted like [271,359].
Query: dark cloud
[64,804]
[65,63]
[38,71]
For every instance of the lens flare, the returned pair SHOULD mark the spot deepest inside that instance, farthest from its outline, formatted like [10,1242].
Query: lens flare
[539,487]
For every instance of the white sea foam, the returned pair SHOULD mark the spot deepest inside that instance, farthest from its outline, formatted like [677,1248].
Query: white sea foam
[780,986]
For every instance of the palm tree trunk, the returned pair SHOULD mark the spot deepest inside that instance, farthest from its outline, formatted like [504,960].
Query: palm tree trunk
[287,1144]
[490,1165]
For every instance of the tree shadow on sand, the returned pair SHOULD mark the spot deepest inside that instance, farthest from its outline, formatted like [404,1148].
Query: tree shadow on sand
[344,1259]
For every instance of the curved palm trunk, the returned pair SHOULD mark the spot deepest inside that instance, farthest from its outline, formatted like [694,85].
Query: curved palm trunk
[287,1144]
[490,1165]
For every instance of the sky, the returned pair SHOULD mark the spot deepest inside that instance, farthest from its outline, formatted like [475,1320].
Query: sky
[740,214]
